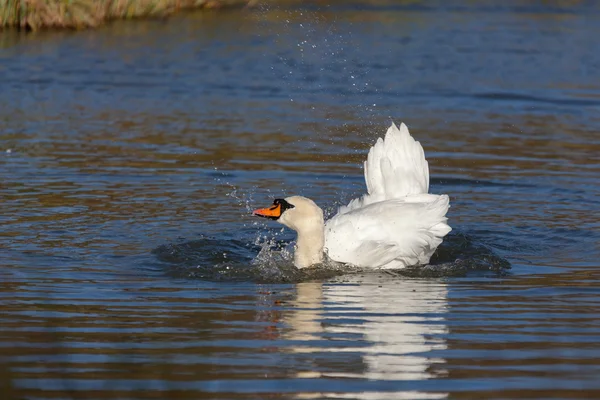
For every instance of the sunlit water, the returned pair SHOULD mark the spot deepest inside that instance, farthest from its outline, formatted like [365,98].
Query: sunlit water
[131,157]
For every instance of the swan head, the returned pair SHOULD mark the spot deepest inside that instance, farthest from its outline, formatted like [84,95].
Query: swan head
[306,218]
[296,212]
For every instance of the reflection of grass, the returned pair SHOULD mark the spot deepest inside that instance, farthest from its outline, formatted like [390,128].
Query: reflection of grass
[36,14]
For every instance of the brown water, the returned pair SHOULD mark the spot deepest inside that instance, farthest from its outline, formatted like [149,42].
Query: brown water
[137,151]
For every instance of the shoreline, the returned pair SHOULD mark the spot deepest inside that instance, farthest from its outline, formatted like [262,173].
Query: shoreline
[84,14]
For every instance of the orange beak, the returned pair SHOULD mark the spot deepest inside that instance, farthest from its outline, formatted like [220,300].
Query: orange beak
[273,212]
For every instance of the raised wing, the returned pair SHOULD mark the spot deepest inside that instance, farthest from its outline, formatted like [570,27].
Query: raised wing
[395,168]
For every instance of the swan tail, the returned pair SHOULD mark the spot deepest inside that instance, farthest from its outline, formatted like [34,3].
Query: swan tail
[436,227]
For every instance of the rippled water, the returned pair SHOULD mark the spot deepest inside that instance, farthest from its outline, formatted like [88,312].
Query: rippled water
[131,156]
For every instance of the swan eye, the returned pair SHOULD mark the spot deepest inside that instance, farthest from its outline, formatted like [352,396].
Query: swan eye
[283,204]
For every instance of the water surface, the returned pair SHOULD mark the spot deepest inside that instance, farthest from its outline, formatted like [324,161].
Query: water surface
[119,142]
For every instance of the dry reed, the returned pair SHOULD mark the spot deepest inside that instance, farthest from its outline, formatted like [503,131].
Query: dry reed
[79,14]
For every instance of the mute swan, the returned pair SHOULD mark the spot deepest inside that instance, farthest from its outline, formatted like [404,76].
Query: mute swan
[395,225]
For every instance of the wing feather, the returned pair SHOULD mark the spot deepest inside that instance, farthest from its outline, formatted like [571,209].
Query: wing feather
[388,234]
[395,167]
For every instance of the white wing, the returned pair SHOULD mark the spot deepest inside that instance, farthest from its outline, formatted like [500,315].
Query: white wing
[397,223]
[395,168]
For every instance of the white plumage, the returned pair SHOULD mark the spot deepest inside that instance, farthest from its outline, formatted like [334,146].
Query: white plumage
[396,224]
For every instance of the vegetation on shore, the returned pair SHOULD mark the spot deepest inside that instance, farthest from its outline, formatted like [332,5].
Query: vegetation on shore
[80,14]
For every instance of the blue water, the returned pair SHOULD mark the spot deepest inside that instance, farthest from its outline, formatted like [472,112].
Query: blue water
[138,150]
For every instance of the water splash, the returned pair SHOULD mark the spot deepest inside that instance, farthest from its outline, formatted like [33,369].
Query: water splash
[271,261]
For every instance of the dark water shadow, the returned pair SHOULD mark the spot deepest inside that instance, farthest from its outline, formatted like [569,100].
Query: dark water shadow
[213,259]
[460,255]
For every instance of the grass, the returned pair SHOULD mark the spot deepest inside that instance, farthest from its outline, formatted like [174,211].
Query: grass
[81,14]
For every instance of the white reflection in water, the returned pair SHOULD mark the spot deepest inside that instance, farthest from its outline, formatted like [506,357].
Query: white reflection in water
[394,324]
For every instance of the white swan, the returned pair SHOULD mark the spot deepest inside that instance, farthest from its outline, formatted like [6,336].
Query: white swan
[395,225]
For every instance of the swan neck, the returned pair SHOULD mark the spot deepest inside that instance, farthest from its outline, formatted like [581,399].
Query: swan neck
[309,247]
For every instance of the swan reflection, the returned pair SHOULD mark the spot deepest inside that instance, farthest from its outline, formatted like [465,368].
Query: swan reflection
[379,326]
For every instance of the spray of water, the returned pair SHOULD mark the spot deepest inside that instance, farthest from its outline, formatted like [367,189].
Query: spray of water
[270,260]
